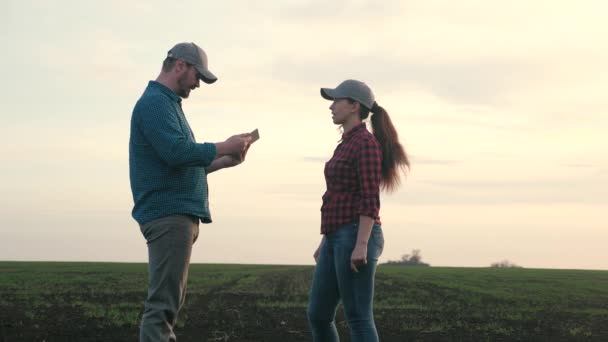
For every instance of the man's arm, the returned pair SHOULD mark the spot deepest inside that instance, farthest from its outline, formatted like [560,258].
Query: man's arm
[226,161]
[163,131]
[235,145]
[159,124]
[218,164]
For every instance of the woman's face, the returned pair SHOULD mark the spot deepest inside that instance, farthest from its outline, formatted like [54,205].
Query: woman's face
[343,111]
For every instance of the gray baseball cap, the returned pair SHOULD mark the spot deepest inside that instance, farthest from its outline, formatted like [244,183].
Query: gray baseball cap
[193,54]
[352,89]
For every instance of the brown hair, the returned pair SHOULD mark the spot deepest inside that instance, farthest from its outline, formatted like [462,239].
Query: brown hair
[394,157]
[168,64]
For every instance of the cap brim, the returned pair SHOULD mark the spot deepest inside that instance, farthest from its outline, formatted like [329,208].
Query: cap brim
[206,75]
[328,93]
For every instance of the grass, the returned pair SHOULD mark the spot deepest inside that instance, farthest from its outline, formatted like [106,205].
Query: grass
[268,303]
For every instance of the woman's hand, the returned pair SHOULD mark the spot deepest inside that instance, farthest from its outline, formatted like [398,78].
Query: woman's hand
[359,256]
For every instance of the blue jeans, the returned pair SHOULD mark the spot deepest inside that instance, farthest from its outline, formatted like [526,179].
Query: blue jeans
[334,281]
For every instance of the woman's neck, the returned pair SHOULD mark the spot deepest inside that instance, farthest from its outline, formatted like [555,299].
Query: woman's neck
[348,126]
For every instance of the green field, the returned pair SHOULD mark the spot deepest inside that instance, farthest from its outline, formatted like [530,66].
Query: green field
[46,301]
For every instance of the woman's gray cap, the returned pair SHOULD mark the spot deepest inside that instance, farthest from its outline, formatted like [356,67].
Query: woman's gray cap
[352,89]
[194,55]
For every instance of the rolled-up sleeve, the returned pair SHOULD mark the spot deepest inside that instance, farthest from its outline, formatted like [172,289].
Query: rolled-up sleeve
[160,125]
[369,174]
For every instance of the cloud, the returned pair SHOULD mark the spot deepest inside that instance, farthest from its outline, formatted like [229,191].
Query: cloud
[429,161]
[314,159]
[415,160]
[310,192]
[474,81]
[584,166]
[338,10]
[590,190]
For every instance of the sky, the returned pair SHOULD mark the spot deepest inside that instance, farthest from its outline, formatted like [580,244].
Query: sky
[500,105]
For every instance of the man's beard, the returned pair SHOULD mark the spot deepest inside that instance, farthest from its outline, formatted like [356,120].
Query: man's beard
[182,90]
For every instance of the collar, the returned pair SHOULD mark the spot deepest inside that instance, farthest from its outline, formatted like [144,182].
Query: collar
[165,90]
[356,130]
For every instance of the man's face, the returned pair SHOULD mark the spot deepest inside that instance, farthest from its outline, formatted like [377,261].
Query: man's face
[187,80]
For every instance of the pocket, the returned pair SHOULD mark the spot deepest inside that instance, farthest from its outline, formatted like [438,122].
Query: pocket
[338,167]
[161,226]
[377,240]
[154,229]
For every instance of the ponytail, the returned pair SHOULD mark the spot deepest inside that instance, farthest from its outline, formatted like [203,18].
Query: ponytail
[394,157]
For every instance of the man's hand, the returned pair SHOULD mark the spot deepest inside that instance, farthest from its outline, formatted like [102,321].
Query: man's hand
[230,161]
[235,145]
[240,142]
[222,163]
[240,157]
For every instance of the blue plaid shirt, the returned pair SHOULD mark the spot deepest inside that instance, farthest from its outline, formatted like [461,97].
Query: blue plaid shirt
[166,165]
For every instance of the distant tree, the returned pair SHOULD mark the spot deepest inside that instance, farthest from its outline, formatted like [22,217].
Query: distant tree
[505,264]
[415,259]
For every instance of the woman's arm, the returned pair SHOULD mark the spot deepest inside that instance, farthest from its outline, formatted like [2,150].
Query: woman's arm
[359,255]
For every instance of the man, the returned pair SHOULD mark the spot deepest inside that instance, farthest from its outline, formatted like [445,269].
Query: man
[168,172]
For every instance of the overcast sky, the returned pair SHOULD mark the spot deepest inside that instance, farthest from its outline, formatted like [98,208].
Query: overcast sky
[501,105]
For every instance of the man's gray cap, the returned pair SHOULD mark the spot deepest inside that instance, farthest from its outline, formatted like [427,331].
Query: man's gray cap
[193,54]
[351,89]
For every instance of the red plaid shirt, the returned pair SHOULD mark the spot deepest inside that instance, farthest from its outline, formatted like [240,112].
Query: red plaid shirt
[353,180]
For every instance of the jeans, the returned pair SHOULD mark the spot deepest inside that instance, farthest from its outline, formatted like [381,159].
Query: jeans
[334,281]
[169,242]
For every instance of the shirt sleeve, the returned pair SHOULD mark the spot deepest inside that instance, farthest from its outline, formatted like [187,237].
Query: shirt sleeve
[160,126]
[369,174]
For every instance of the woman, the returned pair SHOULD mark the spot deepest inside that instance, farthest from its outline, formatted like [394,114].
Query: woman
[352,237]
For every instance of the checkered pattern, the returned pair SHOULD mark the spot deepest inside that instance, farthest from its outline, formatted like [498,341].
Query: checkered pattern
[353,180]
[166,165]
